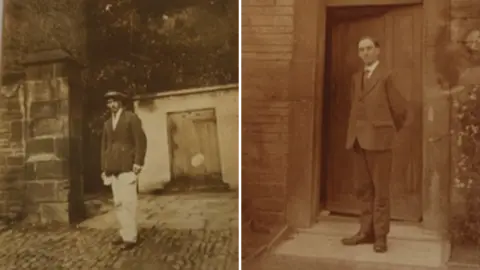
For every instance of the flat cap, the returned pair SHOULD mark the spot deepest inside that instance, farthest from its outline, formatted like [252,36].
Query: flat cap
[115,94]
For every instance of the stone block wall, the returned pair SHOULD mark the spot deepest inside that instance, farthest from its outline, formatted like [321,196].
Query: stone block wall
[45,118]
[12,150]
[46,173]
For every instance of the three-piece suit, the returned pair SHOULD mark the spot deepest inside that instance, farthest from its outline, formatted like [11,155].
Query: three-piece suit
[378,112]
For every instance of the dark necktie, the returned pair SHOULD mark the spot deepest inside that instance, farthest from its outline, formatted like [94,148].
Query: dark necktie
[365,79]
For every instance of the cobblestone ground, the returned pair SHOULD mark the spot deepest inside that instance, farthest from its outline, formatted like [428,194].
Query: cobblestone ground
[162,246]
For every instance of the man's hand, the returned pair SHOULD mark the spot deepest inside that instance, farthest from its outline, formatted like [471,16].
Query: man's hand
[106,180]
[137,168]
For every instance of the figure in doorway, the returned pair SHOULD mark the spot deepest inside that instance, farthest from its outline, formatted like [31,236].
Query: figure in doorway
[378,112]
[123,151]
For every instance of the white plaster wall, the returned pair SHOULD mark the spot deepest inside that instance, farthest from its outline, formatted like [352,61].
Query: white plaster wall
[153,110]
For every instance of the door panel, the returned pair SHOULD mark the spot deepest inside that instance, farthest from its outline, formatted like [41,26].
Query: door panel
[399,31]
[194,150]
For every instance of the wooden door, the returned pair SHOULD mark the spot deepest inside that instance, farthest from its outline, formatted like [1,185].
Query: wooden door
[194,151]
[399,31]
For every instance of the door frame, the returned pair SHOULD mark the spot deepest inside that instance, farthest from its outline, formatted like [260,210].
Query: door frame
[305,118]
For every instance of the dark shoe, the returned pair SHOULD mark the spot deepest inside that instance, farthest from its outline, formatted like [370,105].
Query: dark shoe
[358,239]
[129,245]
[117,241]
[380,245]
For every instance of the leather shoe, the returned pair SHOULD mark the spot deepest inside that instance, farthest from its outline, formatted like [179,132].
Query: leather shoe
[129,245]
[358,239]
[380,245]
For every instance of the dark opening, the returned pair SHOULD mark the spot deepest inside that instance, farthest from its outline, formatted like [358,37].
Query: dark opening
[336,15]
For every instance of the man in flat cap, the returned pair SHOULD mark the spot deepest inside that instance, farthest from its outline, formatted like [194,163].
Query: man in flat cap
[122,157]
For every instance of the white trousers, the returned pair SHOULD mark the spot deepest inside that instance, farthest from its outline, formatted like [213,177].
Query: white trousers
[124,189]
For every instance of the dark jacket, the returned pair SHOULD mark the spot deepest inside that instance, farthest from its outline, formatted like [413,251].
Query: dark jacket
[124,146]
[378,111]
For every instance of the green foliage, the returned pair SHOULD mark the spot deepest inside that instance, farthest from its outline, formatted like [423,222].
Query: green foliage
[151,46]
[32,25]
[466,127]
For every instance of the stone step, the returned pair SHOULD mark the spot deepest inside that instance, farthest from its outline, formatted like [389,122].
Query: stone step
[409,246]
[422,253]
[289,262]
[343,226]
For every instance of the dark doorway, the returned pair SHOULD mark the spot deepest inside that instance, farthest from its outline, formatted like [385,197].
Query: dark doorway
[399,30]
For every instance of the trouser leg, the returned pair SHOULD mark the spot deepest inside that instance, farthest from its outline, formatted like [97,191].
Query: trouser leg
[364,189]
[125,198]
[381,175]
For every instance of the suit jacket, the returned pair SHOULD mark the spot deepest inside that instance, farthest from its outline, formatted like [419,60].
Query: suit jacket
[125,146]
[378,110]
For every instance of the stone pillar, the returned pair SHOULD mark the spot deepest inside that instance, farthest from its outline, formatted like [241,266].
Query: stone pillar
[436,117]
[12,146]
[53,102]
[303,185]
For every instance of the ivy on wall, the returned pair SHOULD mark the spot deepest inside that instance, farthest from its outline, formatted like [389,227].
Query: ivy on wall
[466,129]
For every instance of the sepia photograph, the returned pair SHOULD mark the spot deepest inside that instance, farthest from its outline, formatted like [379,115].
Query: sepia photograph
[119,134]
[360,134]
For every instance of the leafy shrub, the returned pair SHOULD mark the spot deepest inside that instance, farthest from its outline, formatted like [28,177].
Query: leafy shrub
[466,127]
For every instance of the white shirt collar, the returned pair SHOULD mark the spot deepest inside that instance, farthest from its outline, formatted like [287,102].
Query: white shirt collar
[115,117]
[372,67]
[117,114]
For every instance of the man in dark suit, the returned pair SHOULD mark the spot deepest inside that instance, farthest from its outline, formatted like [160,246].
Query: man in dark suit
[122,156]
[377,113]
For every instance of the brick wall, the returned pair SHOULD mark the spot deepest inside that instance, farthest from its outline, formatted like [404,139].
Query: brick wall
[267,42]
